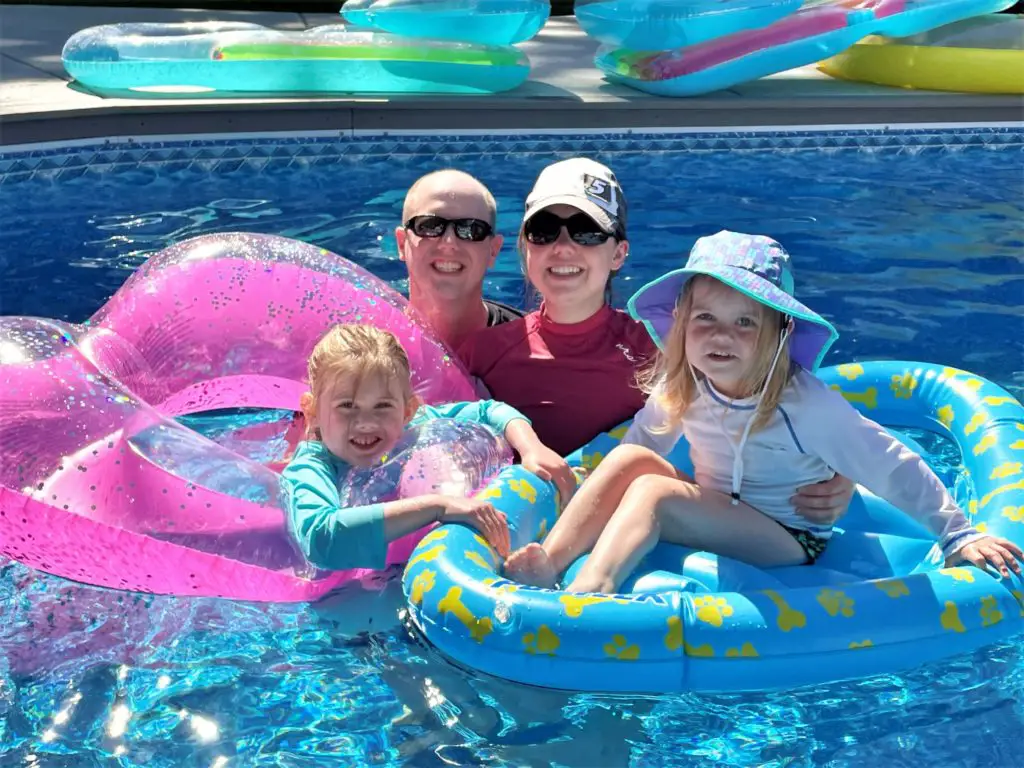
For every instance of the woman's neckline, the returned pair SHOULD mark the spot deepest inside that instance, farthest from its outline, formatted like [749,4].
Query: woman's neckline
[571,329]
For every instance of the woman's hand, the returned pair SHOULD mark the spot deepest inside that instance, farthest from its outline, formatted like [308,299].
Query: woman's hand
[825,502]
[989,550]
[539,459]
[548,465]
[480,515]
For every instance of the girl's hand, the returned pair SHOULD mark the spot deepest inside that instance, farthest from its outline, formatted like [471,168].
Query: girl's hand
[990,550]
[480,515]
[824,502]
[548,465]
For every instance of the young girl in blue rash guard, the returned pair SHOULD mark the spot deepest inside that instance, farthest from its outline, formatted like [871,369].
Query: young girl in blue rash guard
[359,404]
[734,374]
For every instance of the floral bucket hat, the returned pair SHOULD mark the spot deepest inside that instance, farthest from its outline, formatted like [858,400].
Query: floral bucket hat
[752,264]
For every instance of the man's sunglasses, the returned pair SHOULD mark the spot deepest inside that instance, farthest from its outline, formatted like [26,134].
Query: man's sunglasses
[473,230]
[544,228]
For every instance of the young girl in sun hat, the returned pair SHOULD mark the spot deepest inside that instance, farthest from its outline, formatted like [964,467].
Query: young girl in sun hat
[734,375]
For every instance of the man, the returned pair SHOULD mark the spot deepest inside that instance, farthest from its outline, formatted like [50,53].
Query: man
[447,241]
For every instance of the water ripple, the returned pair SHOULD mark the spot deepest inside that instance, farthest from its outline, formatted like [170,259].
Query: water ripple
[913,255]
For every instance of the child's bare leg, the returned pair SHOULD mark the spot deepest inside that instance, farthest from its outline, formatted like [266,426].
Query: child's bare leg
[679,511]
[583,519]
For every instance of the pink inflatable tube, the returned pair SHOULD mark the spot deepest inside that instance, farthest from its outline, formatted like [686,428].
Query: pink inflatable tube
[99,483]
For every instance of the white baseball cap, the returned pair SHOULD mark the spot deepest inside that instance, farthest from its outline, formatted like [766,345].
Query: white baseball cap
[585,184]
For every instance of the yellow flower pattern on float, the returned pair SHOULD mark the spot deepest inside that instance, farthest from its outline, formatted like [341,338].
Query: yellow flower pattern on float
[712,609]
[903,386]
[851,371]
[620,648]
[543,642]
[836,603]
[524,489]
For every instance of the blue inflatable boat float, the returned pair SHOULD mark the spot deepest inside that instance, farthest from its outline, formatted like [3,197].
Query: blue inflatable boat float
[878,600]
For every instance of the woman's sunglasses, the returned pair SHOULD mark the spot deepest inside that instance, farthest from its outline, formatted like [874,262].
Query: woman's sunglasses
[473,230]
[544,228]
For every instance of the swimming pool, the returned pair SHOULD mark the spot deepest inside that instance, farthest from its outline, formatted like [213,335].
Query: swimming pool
[910,241]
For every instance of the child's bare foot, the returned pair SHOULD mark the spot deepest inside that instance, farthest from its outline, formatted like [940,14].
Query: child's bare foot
[531,565]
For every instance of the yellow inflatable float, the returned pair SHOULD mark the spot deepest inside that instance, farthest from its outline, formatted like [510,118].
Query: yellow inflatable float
[980,55]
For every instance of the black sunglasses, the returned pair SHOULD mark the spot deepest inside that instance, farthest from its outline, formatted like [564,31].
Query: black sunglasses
[544,228]
[431,226]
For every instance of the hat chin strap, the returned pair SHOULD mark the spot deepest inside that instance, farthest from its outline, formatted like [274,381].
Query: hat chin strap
[737,461]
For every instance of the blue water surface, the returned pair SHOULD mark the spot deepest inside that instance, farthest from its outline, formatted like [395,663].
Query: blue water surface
[910,242]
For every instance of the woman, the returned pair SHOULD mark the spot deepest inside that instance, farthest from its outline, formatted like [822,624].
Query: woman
[569,366]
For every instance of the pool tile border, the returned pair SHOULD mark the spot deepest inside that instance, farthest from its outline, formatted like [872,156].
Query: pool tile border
[267,153]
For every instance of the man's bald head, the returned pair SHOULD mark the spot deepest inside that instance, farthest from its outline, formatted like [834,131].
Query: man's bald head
[455,185]
[446,272]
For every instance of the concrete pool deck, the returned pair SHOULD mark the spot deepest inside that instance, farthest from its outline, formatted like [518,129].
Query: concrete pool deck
[38,103]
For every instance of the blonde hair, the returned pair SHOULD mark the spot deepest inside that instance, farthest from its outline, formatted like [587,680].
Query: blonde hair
[670,377]
[359,349]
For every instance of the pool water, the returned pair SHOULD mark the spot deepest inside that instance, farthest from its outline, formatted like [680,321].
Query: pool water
[910,242]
